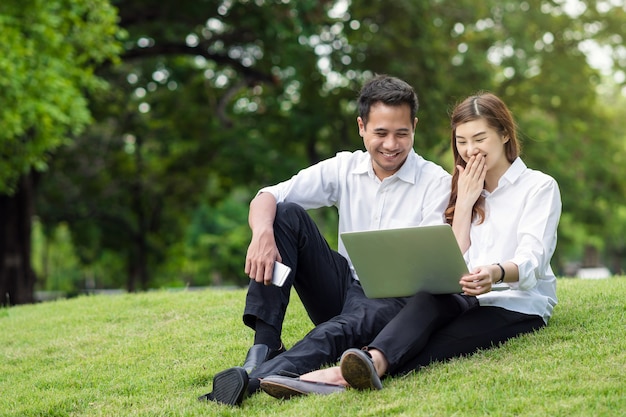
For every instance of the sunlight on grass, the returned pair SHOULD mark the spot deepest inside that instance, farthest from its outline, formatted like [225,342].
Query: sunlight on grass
[152,354]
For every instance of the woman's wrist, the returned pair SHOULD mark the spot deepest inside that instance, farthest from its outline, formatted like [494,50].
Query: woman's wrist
[498,276]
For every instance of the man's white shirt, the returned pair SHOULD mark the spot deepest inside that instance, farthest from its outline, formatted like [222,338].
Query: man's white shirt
[416,195]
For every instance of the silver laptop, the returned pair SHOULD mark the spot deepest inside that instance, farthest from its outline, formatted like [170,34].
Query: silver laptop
[401,262]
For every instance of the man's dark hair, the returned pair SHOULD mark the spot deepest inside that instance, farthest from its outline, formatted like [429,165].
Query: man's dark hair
[388,90]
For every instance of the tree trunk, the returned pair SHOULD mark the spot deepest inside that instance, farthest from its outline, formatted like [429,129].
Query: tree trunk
[17,278]
[138,262]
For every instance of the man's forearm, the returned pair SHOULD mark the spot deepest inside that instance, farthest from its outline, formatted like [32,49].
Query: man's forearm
[262,212]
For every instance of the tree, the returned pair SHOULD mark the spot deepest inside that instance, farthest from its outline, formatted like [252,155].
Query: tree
[214,99]
[531,54]
[48,53]
[197,101]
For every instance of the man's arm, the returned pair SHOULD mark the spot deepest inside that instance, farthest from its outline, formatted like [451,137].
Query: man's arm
[262,251]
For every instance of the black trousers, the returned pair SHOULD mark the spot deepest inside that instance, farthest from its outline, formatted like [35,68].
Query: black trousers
[360,321]
[434,328]
[335,302]
[320,275]
[346,318]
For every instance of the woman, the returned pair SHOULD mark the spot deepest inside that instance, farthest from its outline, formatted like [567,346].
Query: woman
[505,217]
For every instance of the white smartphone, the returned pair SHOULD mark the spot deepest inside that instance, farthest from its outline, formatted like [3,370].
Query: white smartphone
[281,271]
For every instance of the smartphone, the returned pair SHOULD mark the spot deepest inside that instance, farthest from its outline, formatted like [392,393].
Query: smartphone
[281,272]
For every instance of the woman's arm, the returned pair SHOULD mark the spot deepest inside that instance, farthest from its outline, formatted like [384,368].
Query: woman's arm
[537,233]
[470,184]
[482,278]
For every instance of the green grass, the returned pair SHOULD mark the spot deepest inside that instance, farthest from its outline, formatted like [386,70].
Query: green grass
[152,354]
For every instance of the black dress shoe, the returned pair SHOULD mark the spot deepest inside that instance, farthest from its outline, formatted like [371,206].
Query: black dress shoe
[357,368]
[258,354]
[284,387]
[229,387]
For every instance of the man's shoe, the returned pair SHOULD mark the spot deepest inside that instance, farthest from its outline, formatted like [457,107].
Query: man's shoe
[229,387]
[357,368]
[258,354]
[284,387]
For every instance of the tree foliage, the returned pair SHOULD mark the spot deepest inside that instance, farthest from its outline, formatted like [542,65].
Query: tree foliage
[48,53]
[214,99]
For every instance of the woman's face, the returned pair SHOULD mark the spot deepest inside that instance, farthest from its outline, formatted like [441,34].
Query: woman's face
[477,137]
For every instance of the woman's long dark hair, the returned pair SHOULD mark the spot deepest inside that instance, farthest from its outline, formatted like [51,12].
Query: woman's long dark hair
[482,105]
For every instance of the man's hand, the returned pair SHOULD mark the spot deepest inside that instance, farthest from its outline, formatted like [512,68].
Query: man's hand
[262,252]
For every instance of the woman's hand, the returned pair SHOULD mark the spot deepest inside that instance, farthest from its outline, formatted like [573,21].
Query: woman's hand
[479,281]
[471,180]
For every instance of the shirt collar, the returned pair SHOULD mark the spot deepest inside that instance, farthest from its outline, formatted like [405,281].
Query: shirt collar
[406,172]
[511,175]
[515,171]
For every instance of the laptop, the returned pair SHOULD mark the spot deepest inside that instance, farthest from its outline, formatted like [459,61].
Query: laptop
[401,262]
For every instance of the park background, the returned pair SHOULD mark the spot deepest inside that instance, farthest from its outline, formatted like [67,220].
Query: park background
[133,134]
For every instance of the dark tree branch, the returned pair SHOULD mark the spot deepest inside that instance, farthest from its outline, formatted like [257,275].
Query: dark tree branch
[250,74]
[223,103]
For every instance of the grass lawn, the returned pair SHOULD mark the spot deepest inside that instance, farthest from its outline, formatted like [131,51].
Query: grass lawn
[152,354]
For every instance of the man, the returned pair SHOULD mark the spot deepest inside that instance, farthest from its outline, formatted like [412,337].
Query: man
[389,186]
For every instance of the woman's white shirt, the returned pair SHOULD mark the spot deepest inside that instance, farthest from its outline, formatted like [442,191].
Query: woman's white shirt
[522,216]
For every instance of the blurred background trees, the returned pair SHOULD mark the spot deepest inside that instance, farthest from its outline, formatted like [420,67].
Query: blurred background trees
[210,100]
[48,54]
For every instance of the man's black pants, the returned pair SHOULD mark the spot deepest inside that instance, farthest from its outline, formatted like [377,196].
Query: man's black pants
[320,275]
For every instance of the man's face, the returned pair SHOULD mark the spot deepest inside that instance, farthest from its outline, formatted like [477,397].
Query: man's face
[388,137]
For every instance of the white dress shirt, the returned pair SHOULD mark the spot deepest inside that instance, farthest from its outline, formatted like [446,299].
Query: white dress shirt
[522,215]
[415,195]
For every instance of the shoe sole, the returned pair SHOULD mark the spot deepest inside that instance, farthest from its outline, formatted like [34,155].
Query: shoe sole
[292,387]
[229,386]
[359,372]
[280,391]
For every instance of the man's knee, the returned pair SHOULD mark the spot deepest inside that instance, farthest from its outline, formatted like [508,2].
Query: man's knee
[288,209]
[290,216]
[339,327]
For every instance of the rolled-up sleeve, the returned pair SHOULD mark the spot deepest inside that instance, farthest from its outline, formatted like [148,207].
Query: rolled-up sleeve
[537,233]
[312,187]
